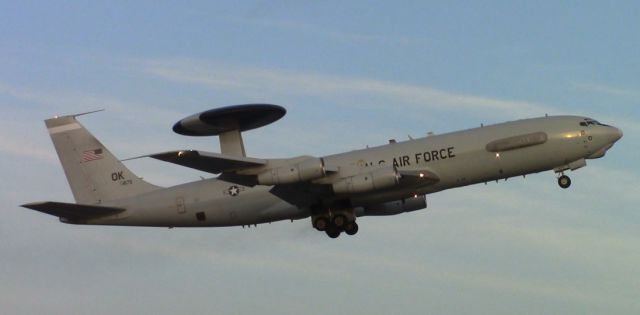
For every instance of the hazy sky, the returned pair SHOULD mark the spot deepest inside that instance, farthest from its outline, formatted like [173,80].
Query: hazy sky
[350,74]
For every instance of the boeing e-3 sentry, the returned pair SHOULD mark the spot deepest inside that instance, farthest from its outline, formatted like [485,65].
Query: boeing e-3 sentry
[333,190]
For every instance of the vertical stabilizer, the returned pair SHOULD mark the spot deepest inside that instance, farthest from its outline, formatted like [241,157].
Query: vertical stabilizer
[94,174]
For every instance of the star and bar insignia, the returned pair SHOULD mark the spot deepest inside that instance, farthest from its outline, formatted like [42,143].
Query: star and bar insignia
[233,190]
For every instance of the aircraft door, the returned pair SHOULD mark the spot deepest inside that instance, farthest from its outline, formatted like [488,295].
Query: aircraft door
[180,205]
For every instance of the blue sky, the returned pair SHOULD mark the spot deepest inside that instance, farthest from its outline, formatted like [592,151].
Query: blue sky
[350,74]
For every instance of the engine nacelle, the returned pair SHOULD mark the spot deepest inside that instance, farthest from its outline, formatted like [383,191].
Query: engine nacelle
[309,169]
[396,207]
[378,179]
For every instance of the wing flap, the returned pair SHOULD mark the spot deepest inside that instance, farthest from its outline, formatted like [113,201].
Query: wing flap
[72,211]
[208,161]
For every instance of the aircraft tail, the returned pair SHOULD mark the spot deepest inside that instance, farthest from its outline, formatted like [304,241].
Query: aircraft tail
[94,174]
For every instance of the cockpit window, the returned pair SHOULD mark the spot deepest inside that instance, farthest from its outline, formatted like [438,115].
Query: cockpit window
[591,122]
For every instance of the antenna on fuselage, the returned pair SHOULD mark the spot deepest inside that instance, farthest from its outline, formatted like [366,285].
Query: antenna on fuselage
[228,123]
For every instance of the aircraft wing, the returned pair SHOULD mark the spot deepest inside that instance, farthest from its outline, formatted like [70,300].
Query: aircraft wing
[72,211]
[307,193]
[210,162]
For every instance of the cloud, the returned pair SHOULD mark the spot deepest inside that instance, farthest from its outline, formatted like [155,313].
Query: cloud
[22,94]
[338,35]
[48,104]
[607,89]
[252,253]
[12,143]
[270,81]
[68,102]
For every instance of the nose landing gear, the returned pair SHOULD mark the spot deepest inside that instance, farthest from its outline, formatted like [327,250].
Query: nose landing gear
[564,181]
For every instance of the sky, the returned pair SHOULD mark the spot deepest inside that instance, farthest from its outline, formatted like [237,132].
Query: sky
[351,74]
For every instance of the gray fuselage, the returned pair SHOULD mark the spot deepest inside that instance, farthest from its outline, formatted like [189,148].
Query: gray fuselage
[458,158]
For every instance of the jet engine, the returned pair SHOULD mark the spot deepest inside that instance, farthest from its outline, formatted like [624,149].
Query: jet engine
[308,169]
[395,207]
[378,179]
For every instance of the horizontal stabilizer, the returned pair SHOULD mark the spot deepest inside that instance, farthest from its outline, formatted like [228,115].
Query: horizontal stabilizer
[210,162]
[72,211]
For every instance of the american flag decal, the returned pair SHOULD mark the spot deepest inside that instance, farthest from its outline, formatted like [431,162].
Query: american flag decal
[92,155]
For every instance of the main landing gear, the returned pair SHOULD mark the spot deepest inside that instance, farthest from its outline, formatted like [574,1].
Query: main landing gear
[335,223]
[564,181]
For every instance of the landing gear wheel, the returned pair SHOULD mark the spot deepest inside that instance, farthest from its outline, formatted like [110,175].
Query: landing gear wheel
[321,223]
[339,221]
[351,228]
[333,232]
[564,181]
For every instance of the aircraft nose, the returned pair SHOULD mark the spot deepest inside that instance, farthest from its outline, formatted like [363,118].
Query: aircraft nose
[615,134]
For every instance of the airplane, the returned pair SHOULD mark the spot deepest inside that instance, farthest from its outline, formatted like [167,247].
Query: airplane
[332,190]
